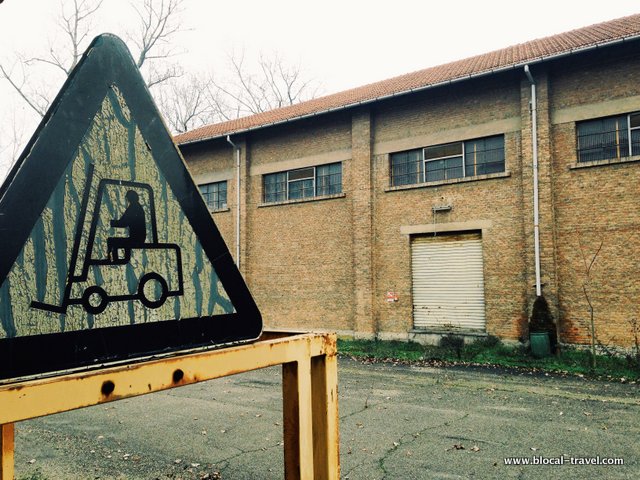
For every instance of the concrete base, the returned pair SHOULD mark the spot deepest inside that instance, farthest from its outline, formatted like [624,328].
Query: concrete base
[423,337]
[433,337]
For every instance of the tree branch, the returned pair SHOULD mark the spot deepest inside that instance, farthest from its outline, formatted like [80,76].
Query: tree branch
[22,92]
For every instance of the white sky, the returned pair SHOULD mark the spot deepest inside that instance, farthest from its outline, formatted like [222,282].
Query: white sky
[342,44]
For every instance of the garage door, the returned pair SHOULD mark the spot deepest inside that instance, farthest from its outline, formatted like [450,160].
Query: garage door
[448,282]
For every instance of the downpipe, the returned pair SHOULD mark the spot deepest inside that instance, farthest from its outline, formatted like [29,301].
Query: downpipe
[536,210]
[237,149]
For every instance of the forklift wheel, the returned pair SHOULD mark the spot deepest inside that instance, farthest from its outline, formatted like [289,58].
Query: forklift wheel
[92,295]
[153,301]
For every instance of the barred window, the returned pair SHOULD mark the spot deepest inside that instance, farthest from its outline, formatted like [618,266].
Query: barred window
[484,156]
[329,179]
[608,138]
[215,195]
[303,183]
[448,161]
[275,187]
[406,168]
[443,162]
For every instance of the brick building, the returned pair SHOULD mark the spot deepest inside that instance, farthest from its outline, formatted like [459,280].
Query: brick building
[446,199]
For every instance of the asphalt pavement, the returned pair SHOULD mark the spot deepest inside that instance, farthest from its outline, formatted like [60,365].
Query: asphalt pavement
[396,422]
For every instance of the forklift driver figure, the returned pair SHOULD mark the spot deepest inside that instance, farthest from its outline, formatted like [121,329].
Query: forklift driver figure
[134,220]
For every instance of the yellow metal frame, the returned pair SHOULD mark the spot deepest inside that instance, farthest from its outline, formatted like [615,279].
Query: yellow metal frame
[309,388]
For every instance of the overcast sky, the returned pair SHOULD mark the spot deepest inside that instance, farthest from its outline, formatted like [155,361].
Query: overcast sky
[340,43]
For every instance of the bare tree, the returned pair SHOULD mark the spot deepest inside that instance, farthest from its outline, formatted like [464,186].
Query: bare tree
[271,84]
[586,290]
[159,22]
[74,22]
[36,97]
[13,135]
[186,103]
[189,102]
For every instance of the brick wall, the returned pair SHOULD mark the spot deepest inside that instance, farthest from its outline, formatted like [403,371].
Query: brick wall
[328,263]
[497,201]
[204,162]
[299,255]
[597,208]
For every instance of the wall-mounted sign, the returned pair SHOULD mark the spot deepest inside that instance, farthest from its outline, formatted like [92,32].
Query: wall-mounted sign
[108,250]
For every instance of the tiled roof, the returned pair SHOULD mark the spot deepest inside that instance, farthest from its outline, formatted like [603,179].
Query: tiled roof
[600,34]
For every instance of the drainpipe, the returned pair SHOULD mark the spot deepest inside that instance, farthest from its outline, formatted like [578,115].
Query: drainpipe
[237,149]
[536,215]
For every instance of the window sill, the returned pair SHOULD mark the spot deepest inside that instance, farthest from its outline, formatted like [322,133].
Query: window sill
[601,163]
[449,182]
[220,210]
[303,200]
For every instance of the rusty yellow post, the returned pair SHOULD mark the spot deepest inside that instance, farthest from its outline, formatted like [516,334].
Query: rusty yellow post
[326,439]
[297,420]
[309,386]
[6,451]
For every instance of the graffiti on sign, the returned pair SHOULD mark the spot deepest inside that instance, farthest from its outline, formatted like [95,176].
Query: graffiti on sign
[105,230]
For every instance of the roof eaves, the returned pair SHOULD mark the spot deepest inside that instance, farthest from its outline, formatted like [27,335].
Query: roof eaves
[491,71]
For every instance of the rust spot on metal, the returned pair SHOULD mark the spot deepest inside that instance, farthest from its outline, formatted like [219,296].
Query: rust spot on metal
[178,375]
[107,388]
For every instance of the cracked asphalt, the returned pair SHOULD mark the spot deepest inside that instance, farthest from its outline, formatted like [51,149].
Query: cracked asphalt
[396,422]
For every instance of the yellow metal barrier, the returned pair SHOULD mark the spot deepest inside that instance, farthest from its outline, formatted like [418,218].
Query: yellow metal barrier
[309,386]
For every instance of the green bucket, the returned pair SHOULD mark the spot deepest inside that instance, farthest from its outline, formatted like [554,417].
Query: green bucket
[540,346]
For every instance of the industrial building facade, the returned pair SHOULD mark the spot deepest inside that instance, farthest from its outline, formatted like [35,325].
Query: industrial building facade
[447,199]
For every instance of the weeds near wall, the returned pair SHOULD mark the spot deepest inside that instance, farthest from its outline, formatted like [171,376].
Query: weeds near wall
[454,343]
[634,356]
[491,352]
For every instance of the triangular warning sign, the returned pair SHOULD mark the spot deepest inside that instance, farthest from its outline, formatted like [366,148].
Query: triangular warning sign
[108,250]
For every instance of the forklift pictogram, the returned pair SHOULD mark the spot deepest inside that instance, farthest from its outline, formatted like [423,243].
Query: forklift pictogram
[161,263]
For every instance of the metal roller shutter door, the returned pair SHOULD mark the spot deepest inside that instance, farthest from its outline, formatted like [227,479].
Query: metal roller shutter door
[448,282]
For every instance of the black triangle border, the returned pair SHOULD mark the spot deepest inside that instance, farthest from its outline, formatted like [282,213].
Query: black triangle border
[108,62]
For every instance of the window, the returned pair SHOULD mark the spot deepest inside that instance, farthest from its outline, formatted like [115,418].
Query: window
[484,156]
[329,179]
[303,183]
[609,138]
[443,162]
[406,167]
[275,187]
[215,195]
[448,161]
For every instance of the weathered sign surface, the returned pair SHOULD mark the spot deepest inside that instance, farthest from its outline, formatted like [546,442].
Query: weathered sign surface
[108,250]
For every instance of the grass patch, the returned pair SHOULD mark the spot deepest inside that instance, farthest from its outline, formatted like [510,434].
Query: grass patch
[35,475]
[490,351]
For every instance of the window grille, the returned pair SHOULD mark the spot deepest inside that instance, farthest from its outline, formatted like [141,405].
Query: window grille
[215,195]
[608,138]
[303,183]
[484,156]
[443,162]
[329,179]
[406,168]
[448,161]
